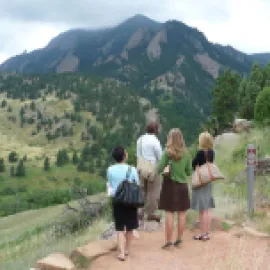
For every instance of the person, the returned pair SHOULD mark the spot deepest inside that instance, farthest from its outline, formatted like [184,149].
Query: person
[125,217]
[174,197]
[202,199]
[149,148]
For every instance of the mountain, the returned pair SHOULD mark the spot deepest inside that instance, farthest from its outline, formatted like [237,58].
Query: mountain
[261,58]
[170,64]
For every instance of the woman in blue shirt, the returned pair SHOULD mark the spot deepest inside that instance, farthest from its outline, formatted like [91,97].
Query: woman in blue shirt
[125,217]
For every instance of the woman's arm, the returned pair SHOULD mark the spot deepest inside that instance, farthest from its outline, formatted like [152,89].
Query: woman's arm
[163,162]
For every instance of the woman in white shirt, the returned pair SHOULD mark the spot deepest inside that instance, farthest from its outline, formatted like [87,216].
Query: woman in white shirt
[149,148]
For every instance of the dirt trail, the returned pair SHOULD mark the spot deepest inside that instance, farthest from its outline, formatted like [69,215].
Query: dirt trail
[223,251]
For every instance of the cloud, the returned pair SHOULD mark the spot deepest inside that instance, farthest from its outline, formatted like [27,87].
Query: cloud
[30,24]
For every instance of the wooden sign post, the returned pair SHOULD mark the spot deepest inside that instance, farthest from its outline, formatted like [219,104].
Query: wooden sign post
[251,164]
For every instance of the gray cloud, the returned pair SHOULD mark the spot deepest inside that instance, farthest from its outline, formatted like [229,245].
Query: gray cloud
[98,13]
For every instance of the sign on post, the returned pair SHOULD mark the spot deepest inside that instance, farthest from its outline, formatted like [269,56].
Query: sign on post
[251,163]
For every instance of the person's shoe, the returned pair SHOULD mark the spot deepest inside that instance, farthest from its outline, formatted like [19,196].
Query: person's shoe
[121,257]
[177,243]
[154,218]
[167,245]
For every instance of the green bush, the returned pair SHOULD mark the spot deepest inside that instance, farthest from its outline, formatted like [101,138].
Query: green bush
[262,106]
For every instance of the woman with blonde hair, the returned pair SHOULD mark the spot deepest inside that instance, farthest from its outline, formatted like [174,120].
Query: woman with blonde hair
[174,194]
[202,198]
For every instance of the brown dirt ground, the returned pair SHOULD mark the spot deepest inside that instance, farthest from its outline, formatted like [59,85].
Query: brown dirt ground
[223,251]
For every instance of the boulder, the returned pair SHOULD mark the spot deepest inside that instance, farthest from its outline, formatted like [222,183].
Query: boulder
[55,261]
[241,125]
[94,249]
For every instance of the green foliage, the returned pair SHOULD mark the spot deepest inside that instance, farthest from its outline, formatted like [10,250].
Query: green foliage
[262,106]
[248,91]
[82,166]
[13,157]
[75,158]
[46,166]
[225,101]
[2,165]
[257,75]
[3,103]
[62,158]
[20,170]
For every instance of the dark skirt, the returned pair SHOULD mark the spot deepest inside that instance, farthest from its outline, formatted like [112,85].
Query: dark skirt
[174,196]
[125,217]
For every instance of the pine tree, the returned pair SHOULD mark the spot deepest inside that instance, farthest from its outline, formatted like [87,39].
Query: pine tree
[9,109]
[62,158]
[75,158]
[4,103]
[86,152]
[91,168]
[257,76]
[59,159]
[13,157]
[81,166]
[33,106]
[225,98]
[20,171]
[2,165]
[46,164]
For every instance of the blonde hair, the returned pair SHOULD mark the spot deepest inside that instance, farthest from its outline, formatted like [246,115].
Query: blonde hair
[175,144]
[206,141]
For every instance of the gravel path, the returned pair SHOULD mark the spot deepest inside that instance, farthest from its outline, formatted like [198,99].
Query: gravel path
[223,251]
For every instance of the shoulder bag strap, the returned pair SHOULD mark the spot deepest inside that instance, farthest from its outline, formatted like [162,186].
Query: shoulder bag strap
[141,147]
[128,173]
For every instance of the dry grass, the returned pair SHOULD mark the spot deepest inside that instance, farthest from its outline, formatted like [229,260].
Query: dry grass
[26,237]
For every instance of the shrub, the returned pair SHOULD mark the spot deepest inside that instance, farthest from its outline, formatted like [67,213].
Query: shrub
[20,171]
[46,164]
[262,106]
[2,165]
[13,157]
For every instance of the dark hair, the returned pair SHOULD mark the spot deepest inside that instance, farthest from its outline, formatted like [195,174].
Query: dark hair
[118,154]
[152,128]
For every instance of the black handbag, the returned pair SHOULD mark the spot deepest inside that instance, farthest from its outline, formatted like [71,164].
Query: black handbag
[129,193]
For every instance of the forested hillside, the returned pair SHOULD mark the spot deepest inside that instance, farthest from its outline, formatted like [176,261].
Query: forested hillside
[59,130]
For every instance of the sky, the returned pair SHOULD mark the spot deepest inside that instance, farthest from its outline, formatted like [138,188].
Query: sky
[31,24]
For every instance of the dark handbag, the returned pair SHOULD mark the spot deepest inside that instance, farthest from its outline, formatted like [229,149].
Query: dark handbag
[129,193]
[167,171]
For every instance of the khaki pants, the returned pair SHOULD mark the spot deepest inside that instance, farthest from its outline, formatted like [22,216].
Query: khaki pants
[151,193]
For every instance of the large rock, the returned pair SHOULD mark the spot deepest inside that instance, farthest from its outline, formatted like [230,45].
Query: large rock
[55,261]
[241,125]
[94,249]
